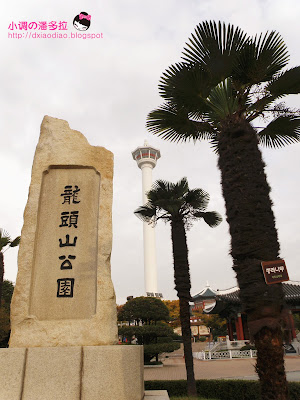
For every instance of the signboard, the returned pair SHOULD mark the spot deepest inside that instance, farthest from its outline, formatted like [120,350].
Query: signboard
[274,271]
[151,294]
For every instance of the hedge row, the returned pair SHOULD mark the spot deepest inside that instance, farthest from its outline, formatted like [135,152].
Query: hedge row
[219,389]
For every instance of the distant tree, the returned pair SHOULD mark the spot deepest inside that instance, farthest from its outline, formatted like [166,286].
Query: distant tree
[297,321]
[216,324]
[119,309]
[7,291]
[181,206]
[146,310]
[174,310]
[146,313]
[5,241]
[4,327]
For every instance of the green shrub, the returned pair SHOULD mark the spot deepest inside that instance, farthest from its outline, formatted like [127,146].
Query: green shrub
[156,339]
[219,389]
[146,333]
[165,339]
[248,347]
[202,339]
[145,309]
[176,337]
[151,350]
[153,363]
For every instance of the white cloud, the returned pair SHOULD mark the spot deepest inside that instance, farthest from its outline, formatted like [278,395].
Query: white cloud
[105,88]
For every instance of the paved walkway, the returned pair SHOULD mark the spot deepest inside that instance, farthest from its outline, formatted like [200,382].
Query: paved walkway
[174,368]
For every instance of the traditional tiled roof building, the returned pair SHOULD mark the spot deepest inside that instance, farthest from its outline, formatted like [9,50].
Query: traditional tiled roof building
[227,304]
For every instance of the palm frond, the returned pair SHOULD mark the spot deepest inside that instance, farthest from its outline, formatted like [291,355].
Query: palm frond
[4,238]
[212,218]
[214,144]
[258,107]
[160,190]
[272,53]
[186,85]
[281,131]
[197,198]
[160,193]
[172,201]
[181,187]
[261,103]
[285,83]
[260,58]
[168,196]
[222,101]
[173,123]
[214,46]
[146,213]
[15,242]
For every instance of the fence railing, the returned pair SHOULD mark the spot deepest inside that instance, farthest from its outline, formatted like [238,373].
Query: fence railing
[226,354]
[228,345]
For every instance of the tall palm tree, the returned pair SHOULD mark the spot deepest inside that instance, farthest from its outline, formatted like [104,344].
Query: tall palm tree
[180,205]
[5,240]
[227,80]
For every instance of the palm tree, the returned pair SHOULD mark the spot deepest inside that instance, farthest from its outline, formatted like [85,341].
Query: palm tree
[5,241]
[179,205]
[227,80]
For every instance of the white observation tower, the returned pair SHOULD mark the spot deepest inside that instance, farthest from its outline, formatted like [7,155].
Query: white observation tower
[146,157]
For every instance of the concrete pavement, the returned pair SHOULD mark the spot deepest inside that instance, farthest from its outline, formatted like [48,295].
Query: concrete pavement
[174,369]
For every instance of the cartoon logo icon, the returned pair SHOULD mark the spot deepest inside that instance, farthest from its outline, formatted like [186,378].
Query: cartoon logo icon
[82,21]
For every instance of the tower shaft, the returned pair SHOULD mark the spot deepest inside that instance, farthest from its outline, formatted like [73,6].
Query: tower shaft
[146,158]
[150,266]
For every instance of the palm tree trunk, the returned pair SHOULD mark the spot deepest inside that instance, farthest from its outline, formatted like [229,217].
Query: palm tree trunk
[183,286]
[271,371]
[254,239]
[1,274]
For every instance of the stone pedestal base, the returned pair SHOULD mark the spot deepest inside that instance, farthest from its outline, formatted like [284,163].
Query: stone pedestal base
[72,373]
[156,395]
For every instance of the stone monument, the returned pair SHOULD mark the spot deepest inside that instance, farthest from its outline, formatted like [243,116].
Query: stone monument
[63,343]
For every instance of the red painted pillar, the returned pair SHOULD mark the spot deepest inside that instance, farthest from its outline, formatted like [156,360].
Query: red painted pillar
[246,329]
[292,325]
[237,328]
[240,323]
[229,330]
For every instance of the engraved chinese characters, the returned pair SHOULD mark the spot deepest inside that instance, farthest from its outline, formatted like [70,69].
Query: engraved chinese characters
[65,266]
[69,219]
[65,287]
